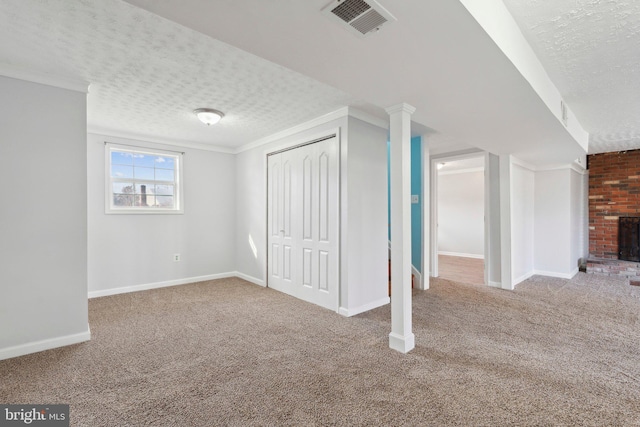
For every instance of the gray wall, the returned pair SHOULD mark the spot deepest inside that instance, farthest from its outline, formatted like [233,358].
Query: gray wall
[365,223]
[43,220]
[129,250]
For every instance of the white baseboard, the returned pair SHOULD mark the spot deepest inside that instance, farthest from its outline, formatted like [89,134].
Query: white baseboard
[461,254]
[414,271]
[48,344]
[498,285]
[147,286]
[366,307]
[251,279]
[523,277]
[540,273]
[556,274]
[418,276]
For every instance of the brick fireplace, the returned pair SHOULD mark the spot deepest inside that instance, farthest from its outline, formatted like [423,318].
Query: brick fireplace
[614,192]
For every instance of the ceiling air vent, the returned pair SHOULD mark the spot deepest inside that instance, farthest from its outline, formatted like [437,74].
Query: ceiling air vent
[359,16]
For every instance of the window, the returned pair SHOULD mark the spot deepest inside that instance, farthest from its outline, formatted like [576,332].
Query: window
[142,180]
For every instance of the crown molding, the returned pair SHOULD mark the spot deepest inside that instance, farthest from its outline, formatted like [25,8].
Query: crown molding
[554,167]
[451,156]
[403,107]
[459,171]
[369,118]
[32,76]
[523,164]
[342,112]
[144,138]
[334,115]
[573,166]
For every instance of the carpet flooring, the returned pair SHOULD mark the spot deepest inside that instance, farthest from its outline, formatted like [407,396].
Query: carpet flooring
[226,352]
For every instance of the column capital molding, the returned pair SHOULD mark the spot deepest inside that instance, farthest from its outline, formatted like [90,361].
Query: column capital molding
[402,107]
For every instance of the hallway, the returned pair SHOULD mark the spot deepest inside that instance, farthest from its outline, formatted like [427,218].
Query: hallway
[463,270]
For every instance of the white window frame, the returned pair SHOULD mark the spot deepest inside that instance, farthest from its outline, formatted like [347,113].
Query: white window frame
[178,181]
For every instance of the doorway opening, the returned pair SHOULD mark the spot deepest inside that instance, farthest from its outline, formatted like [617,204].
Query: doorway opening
[458,218]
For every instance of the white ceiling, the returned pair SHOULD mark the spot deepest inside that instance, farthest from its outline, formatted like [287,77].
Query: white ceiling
[473,163]
[148,73]
[591,51]
[435,57]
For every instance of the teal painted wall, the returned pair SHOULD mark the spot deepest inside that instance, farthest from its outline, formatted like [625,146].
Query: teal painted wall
[416,209]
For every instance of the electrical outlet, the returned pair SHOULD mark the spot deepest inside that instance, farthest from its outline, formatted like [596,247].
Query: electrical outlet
[176,257]
[415,199]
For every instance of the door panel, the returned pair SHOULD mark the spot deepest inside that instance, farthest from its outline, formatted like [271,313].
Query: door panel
[323,271]
[286,213]
[286,273]
[323,201]
[307,268]
[303,204]
[275,260]
[306,197]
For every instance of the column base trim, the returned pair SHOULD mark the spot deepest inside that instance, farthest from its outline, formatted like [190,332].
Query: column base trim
[403,344]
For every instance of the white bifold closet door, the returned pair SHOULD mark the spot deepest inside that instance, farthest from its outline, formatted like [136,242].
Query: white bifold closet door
[303,222]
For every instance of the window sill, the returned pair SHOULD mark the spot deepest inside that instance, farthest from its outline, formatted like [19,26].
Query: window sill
[142,212]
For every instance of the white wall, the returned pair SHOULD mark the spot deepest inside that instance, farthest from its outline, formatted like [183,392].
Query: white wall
[522,223]
[363,217]
[584,232]
[366,221]
[43,223]
[577,217]
[545,232]
[130,252]
[561,221]
[461,213]
[552,221]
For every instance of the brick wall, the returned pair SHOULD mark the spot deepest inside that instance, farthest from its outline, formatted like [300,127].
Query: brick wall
[614,191]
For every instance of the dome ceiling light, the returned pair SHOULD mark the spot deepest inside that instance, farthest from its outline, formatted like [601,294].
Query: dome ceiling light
[208,116]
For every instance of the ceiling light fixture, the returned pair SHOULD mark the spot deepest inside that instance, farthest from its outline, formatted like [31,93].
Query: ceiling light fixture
[208,116]
[440,165]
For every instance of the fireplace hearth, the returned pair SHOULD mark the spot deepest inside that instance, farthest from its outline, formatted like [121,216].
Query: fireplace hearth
[614,214]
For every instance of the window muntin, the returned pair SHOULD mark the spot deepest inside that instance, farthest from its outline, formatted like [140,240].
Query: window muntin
[142,180]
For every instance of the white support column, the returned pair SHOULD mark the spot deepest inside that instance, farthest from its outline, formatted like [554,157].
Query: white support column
[426,214]
[401,337]
[433,218]
[506,278]
[493,257]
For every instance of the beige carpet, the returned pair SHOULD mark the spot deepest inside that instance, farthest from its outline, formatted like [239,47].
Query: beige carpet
[553,352]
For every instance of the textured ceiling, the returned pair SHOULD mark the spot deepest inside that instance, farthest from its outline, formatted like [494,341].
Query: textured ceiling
[436,57]
[591,51]
[147,74]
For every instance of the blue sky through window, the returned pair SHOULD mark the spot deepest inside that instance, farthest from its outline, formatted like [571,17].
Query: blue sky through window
[143,180]
[145,166]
